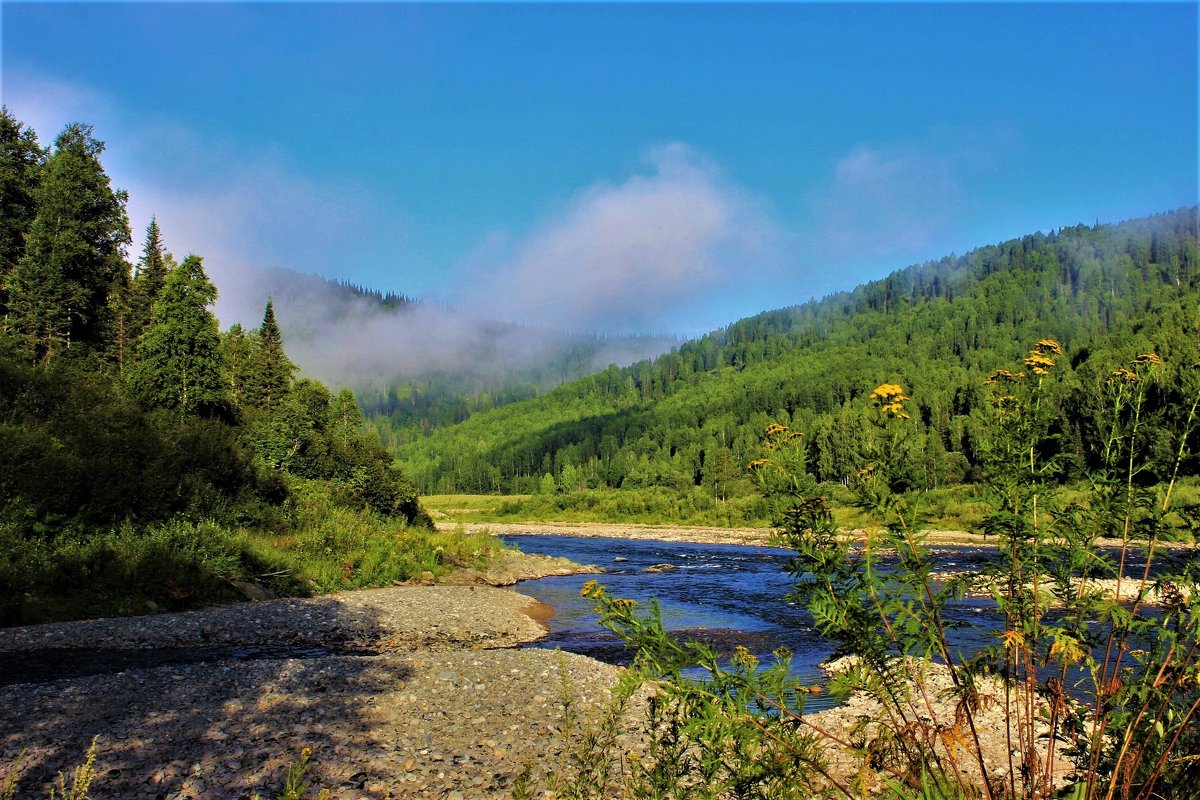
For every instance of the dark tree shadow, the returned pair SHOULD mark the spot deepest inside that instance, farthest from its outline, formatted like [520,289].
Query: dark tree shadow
[221,714]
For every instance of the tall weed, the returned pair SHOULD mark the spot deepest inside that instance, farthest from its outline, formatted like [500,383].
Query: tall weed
[1099,691]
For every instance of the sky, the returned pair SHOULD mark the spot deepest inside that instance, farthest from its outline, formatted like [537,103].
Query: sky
[660,168]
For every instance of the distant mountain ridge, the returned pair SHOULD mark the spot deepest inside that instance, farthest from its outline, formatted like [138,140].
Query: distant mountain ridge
[692,416]
[416,364]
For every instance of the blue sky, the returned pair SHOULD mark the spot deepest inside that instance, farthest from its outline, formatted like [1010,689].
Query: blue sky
[615,166]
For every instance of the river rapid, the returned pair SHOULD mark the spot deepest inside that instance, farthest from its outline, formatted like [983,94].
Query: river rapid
[727,595]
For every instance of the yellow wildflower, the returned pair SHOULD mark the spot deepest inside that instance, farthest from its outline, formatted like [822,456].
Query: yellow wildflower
[1049,346]
[1003,375]
[775,428]
[1148,359]
[757,463]
[1039,363]
[1123,375]
[1007,405]
[590,589]
[889,398]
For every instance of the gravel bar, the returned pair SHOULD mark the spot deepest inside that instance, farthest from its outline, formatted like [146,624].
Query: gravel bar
[439,705]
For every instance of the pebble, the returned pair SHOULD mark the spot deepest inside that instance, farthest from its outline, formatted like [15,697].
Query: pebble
[426,716]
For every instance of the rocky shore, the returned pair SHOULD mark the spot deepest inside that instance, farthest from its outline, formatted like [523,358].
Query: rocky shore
[413,691]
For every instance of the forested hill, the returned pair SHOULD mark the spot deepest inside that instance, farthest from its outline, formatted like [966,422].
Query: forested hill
[418,365]
[695,416]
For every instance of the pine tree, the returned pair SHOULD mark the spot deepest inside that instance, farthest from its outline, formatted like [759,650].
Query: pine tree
[151,275]
[179,356]
[20,161]
[273,371]
[74,259]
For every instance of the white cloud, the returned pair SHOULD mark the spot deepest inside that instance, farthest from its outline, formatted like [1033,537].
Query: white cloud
[621,256]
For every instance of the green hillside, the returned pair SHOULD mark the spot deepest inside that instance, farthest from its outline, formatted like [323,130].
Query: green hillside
[690,420]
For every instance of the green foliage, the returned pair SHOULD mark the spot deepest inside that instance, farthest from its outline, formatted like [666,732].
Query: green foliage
[74,788]
[295,783]
[80,782]
[152,271]
[732,733]
[166,483]
[693,417]
[1099,679]
[75,451]
[59,290]
[268,371]
[654,505]
[179,356]
[20,164]
[312,544]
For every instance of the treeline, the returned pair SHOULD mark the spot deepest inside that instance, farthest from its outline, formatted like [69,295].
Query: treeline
[123,408]
[408,409]
[694,417]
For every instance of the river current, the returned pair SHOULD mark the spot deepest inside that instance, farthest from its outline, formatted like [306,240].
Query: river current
[727,595]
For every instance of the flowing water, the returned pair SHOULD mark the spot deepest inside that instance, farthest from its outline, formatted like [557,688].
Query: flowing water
[727,595]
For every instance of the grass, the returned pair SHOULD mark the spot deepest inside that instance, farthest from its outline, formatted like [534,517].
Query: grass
[316,547]
[952,508]
[649,506]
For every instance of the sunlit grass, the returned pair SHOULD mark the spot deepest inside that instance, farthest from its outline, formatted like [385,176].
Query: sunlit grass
[317,547]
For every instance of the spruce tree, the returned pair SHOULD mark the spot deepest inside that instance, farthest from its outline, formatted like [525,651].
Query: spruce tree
[148,282]
[20,160]
[237,353]
[73,261]
[273,370]
[179,356]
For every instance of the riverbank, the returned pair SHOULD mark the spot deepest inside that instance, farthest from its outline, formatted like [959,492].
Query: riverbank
[423,698]
[693,534]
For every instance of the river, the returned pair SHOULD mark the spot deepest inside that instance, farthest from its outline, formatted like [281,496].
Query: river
[726,594]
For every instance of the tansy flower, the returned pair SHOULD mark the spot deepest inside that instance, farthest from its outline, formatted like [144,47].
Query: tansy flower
[1147,359]
[890,398]
[1039,363]
[1067,648]
[1123,375]
[1002,375]
[1049,346]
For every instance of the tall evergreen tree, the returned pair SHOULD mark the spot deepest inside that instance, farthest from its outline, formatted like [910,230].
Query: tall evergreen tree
[74,259]
[20,160]
[179,356]
[152,269]
[273,370]
[237,353]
